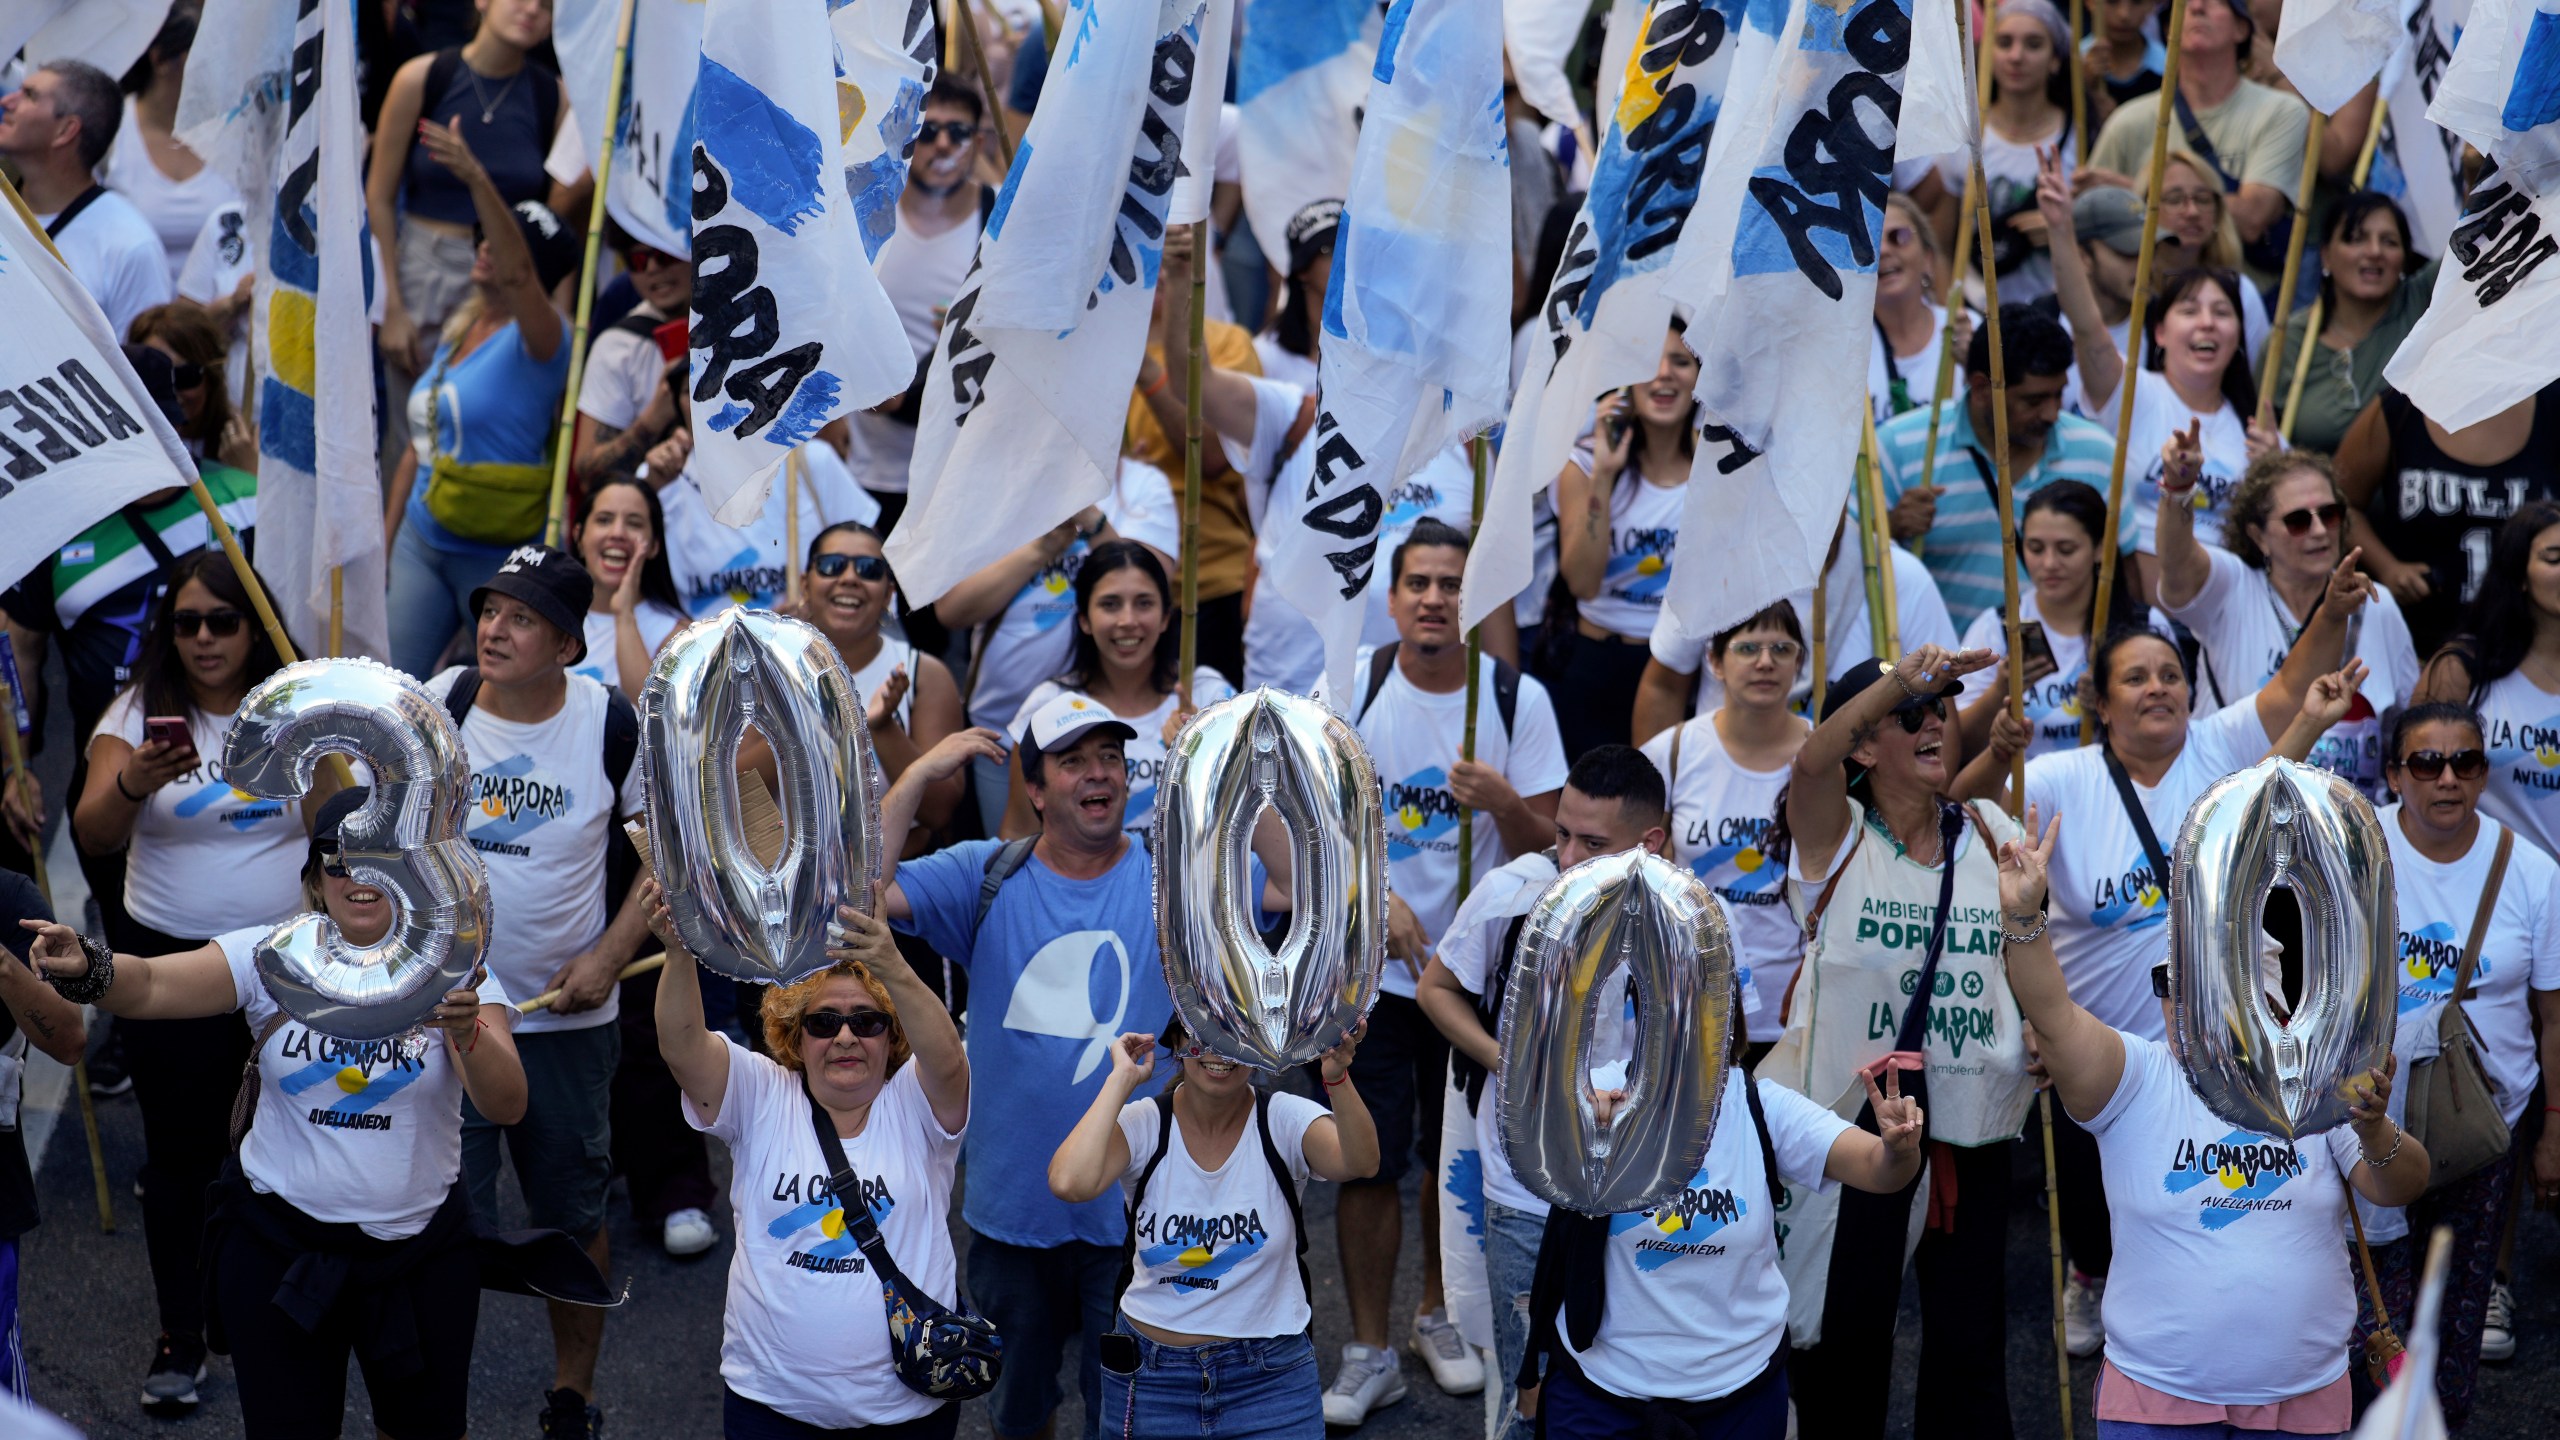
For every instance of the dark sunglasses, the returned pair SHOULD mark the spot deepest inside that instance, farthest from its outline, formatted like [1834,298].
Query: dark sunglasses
[824,1024]
[221,624]
[2428,764]
[864,567]
[186,377]
[1912,714]
[960,131]
[333,859]
[2298,522]
[2160,980]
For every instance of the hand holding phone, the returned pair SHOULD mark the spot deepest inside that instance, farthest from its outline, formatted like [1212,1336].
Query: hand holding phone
[2036,652]
[169,730]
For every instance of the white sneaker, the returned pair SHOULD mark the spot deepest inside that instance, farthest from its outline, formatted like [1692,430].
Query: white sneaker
[2498,1326]
[2083,1333]
[689,1232]
[1455,1366]
[1368,1379]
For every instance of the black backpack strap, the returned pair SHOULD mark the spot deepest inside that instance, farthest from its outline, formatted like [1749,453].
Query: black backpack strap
[621,736]
[1506,694]
[1768,1148]
[1382,662]
[458,700]
[1469,1075]
[1138,1192]
[62,219]
[1288,1189]
[2141,819]
[441,72]
[1001,864]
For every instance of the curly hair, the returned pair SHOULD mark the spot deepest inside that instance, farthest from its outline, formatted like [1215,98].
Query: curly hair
[2254,498]
[784,1007]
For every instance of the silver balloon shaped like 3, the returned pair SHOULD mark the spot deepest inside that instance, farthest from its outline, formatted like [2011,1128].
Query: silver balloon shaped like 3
[1632,917]
[1244,999]
[407,840]
[739,916]
[2281,823]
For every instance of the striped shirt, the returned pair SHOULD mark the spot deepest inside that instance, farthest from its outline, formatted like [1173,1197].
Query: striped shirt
[1962,548]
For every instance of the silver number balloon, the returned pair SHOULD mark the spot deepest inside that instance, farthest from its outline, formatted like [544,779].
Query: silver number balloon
[745,919]
[1628,917]
[407,839]
[1244,999]
[2280,823]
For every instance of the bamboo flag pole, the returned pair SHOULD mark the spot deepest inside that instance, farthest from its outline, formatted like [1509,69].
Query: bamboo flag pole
[557,520]
[337,610]
[1476,449]
[791,528]
[2311,327]
[1945,384]
[2292,269]
[2079,89]
[2136,340]
[17,767]
[1821,641]
[1871,476]
[967,25]
[1199,338]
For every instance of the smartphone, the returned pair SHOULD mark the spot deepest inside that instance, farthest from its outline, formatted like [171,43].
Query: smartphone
[1120,1352]
[671,339]
[2034,646]
[1618,423]
[169,730]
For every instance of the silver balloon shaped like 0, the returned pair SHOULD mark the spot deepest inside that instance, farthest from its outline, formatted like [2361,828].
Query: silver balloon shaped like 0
[1244,999]
[1627,917]
[2281,823]
[739,916]
[407,839]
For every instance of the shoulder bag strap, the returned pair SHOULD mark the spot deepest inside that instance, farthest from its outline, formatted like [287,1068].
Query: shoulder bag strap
[1382,662]
[1990,480]
[2134,812]
[2480,920]
[2382,1345]
[1288,1187]
[71,212]
[1671,783]
[1138,1192]
[1915,1016]
[2201,143]
[458,700]
[244,1103]
[1001,863]
[846,1186]
[1813,917]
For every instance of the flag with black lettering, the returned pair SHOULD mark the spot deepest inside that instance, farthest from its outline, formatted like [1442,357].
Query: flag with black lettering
[789,327]
[2415,161]
[79,440]
[2485,342]
[1302,70]
[1605,315]
[2502,91]
[1027,391]
[1416,349]
[1778,273]
[2330,49]
[885,62]
[650,192]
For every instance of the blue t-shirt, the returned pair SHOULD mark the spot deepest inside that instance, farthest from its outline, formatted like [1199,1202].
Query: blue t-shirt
[496,405]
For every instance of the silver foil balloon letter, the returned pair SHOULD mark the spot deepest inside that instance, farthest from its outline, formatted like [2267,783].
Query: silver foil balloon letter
[2279,823]
[1632,917]
[737,915]
[407,839]
[1242,998]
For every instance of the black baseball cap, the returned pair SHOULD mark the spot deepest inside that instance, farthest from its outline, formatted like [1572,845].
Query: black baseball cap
[552,583]
[557,254]
[332,818]
[1876,672]
[1311,233]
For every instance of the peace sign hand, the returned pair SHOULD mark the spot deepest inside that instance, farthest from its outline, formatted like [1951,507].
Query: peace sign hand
[1898,1117]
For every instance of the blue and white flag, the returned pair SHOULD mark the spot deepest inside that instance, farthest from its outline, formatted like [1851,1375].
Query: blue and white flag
[1300,78]
[1416,351]
[2415,161]
[1027,392]
[650,192]
[2485,342]
[1778,274]
[2502,92]
[1603,323]
[271,104]
[1539,36]
[885,54]
[790,327]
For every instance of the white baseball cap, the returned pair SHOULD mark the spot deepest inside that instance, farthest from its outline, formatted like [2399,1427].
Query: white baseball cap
[1066,719]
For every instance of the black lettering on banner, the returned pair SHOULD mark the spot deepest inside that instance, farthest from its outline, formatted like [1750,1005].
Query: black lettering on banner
[732,322]
[1169,83]
[49,441]
[2500,241]
[766,387]
[1573,281]
[1740,455]
[301,90]
[111,412]
[1859,171]
[971,358]
[67,415]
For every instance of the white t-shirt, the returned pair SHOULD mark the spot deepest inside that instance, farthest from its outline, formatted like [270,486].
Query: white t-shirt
[540,818]
[1644,534]
[2246,633]
[2231,1283]
[350,1132]
[1035,635]
[1215,1252]
[1920,609]
[1469,951]
[921,274]
[1919,372]
[2158,413]
[1720,816]
[2053,703]
[1696,1305]
[1415,736]
[2009,174]
[1145,754]
[656,621]
[717,566]
[2520,953]
[111,248]
[2521,723]
[2110,913]
[892,655]
[796,1274]
[623,371]
[1281,646]
[206,858]
[176,209]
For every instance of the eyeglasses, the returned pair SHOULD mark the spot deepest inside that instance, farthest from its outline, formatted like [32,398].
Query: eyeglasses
[1900,235]
[643,260]
[1781,651]
[186,377]
[2298,522]
[2428,764]
[2189,199]
[221,624]
[864,567]
[1915,713]
[826,1024]
[1189,1050]
[960,131]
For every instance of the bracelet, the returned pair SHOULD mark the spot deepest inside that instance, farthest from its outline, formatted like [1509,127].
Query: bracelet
[1331,1084]
[477,1025]
[129,795]
[91,985]
[2031,936]
[2399,1137]
[1896,673]
[1164,377]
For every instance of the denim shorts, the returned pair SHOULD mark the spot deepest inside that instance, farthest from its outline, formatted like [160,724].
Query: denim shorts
[1232,1389]
[1404,1060]
[563,1147]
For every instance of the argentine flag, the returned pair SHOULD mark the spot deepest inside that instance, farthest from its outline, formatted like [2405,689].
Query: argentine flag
[2502,92]
[650,192]
[1301,74]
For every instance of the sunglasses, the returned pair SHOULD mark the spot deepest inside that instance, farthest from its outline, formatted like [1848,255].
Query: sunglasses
[2428,764]
[643,260]
[2298,522]
[864,567]
[960,131]
[1912,714]
[221,624]
[333,860]
[186,377]
[825,1024]
[1781,651]
[1900,235]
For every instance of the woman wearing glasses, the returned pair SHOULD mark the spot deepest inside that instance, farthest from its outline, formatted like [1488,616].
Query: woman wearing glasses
[1725,770]
[847,592]
[865,1049]
[2451,868]
[339,1227]
[2505,664]
[2247,599]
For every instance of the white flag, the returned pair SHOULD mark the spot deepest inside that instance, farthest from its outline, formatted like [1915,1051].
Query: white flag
[1416,335]
[2416,161]
[789,328]
[1603,323]
[2502,92]
[1540,35]
[1192,188]
[2408,1408]
[1780,278]
[1618,41]
[650,192]
[1028,389]
[2485,342]
[110,34]
[885,58]
[79,438]
[21,19]
[2330,49]
[1300,80]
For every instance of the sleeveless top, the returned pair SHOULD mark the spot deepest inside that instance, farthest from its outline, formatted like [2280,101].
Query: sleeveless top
[177,209]
[510,143]
[893,653]
[2442,512]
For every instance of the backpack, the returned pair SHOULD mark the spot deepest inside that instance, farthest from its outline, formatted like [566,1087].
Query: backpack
[1007,858]
[1506,686]
[1270,1157]
[621,748]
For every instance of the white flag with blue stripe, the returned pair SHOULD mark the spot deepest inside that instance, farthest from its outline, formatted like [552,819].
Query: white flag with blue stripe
[1300,78]
[1416,351]
[650,192]
[1540,36]
[2502,92]
[1603,321]
[1027,392]
[886,51]
[2415,161]
[790,327]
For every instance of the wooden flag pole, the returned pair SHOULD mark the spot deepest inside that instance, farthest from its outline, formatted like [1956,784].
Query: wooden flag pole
[2079,89]
[1199,337]
[2311,327]
[337,610]
[1476,450]
[1821,645]
[2292,270]
[791,529]
[1954,293]
[1886,621]
[2136,341]
[967,24]
[557,519]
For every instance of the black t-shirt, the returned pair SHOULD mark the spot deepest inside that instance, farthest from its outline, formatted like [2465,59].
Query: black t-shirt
[2441,512]
[19,900]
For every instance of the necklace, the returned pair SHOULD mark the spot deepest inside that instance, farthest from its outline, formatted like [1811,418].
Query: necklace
[489,107]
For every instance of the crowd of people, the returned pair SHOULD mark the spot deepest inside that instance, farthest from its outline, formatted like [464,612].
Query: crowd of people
[2376,595]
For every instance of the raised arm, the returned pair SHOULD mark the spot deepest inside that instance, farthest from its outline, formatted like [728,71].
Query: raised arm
[2317,651]
[697,1058]
[510,262]
[1818,784]
[1227,402]
[1343,1145]
[2084,1056]
[983,596]
[933,1042]
[1582,500]
[2184,566]
[906,796]
[398,337]
[1095,1154]
[2101,364]
[1884,1162]
[185,986]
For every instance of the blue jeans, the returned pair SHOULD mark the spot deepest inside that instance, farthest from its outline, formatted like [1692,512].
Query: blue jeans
[431,595]
[1510,1262]
[2130,1430]
[1037,1297]
[1571,1407]
[1234,1390]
